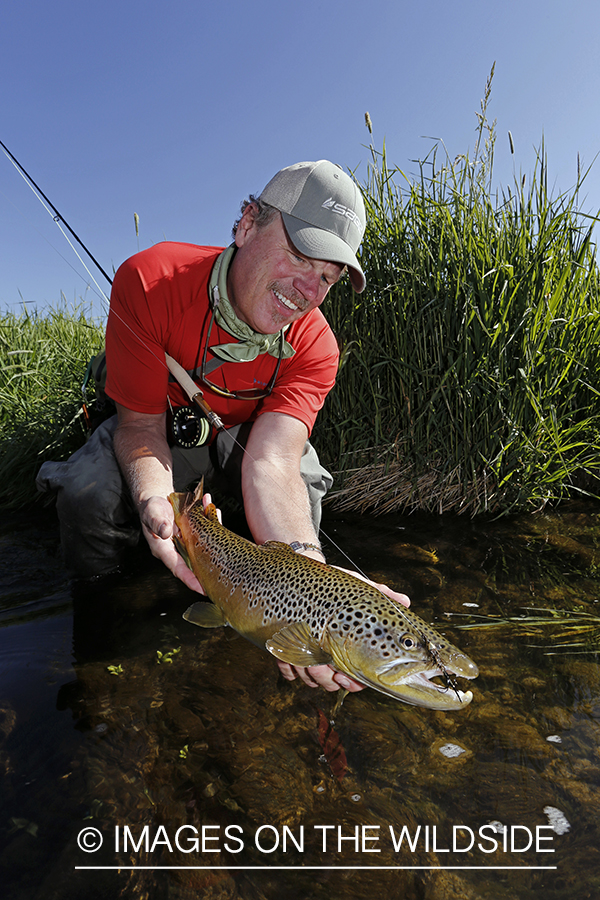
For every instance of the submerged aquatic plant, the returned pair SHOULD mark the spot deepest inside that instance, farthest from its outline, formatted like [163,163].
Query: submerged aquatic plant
[167,656]
[469,367]
[580,627]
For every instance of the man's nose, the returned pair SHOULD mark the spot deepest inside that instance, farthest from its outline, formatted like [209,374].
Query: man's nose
[309,285]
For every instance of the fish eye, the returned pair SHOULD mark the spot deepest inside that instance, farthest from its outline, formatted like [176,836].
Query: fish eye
[408,642]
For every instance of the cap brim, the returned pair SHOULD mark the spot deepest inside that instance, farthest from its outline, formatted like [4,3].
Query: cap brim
[317,243]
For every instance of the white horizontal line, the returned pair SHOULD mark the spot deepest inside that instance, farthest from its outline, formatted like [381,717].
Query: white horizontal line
[306,868]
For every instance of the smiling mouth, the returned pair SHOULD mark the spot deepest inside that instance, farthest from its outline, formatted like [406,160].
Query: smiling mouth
[285,301]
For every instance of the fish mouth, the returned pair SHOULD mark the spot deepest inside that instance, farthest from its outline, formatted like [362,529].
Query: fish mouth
[414,684]
[418,689]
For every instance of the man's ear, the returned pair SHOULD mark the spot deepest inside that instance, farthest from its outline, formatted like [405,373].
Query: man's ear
[246,225]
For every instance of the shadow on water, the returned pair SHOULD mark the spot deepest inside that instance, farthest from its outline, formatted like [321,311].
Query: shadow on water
[183,748]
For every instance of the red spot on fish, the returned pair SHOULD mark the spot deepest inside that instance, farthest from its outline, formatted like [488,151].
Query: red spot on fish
[333,750]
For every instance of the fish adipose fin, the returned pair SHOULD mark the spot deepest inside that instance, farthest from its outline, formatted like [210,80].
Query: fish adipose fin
[206,615]
[296,645]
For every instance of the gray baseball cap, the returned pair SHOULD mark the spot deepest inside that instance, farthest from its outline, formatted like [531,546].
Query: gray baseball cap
[323,212]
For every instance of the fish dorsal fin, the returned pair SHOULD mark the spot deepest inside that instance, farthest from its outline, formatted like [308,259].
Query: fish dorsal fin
[206,615]
[211,513]
[296,645]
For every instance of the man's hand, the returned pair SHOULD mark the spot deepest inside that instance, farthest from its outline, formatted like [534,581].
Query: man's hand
[320,676]
[325,676]
[158,525]
[145,459]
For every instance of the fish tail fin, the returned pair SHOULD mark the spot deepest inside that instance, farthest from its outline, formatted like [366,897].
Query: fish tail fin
[178,503]
[194,496]
[182,502]
[198,492]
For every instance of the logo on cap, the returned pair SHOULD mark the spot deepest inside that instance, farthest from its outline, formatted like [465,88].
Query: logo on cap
[341,210]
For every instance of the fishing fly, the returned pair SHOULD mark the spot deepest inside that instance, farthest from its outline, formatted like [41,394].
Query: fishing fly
[448,677]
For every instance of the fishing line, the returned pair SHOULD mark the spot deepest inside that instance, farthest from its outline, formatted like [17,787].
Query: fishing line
[58,219]
[101,293]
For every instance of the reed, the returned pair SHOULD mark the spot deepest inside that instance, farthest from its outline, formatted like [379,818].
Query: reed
[469,374]
[42,363]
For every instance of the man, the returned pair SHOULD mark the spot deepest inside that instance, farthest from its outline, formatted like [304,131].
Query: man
[267,385]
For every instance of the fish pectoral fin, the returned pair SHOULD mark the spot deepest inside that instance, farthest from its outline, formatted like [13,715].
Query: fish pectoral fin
[206,615]
[296,645]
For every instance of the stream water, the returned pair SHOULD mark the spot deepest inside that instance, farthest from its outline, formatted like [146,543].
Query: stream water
[205,774]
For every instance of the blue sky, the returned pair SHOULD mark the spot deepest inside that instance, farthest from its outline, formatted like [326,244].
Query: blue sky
[176,111]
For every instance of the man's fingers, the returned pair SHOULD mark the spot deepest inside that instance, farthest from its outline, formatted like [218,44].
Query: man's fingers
[320,676]
[157,515]
[206,501]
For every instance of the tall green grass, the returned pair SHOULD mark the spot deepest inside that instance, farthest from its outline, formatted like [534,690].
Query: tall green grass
[470,372]
[43,358]
[469,377]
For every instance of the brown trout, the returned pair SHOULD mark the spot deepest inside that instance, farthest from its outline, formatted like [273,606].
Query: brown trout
[307,613]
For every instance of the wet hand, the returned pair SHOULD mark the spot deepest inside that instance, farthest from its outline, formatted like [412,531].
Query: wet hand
[320,676]
[158,526]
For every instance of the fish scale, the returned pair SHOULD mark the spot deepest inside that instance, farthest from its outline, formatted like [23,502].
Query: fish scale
[305,612]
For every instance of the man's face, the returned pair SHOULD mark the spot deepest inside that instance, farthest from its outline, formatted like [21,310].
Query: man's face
[270,283]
